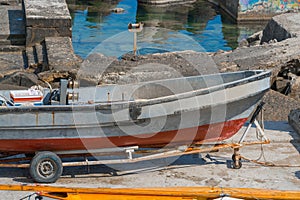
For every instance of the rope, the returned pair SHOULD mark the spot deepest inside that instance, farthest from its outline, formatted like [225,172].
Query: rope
[262,152]
[29,196]
[265,162]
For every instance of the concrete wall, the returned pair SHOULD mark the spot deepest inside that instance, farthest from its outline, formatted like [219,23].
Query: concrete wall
[230,6]
[254,10]
[164,2]
[246,10]
[264,9]
[268,5]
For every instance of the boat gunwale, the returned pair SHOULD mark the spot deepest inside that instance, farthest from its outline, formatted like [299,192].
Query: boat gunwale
[145,102]
[107,124]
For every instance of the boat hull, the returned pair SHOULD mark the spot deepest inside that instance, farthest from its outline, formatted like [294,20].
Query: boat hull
[177,137]
[200,116]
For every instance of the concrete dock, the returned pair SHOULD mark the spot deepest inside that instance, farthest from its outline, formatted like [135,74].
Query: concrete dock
[212,169]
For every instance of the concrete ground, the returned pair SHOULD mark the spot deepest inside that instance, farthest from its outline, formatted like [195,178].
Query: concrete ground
[212,169]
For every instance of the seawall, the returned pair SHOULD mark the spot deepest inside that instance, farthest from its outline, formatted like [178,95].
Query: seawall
[244,10]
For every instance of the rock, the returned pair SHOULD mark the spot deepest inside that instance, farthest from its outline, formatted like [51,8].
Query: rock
[295,89]
[278,106]
[118,10]
[55,76]
[160,66]
[286,79]
[294,120]
[148,72]
[24,79]
[268,56]
[229,67]
[252,39]
[282,27]
[93,68]
[11,62]
[11,87]
[244,43]
[9,2]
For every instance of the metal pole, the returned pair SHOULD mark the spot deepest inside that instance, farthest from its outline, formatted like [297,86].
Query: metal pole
[134,43]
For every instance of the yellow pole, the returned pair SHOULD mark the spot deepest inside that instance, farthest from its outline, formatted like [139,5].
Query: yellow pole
[154,193]
[134,43]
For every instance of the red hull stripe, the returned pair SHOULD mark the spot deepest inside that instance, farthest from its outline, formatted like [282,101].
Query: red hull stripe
[22,100]
[205,133]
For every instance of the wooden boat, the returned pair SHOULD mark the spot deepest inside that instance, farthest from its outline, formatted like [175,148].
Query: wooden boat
[163,113]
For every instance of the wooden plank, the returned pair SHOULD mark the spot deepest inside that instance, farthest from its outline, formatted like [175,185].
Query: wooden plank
[155,193]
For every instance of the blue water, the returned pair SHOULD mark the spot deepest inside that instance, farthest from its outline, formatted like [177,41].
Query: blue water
[199,28]
[211,38]
[88,34]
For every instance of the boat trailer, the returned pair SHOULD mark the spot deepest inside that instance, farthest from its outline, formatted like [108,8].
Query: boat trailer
[47,167]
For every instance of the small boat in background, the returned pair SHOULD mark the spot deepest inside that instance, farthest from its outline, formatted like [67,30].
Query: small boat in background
[162,113]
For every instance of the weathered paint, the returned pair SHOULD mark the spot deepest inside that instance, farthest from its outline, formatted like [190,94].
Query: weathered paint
[205,133]
[196,113]
[268,5]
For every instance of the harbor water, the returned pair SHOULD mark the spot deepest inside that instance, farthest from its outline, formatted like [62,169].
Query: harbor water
[198,26]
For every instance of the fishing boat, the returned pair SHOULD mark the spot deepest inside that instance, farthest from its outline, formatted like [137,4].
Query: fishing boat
[161,113]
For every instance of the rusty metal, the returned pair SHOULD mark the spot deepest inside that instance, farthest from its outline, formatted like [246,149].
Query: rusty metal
[135,28]
[74,96]
[72,84]
[160,155]
[10,160]
[14,165]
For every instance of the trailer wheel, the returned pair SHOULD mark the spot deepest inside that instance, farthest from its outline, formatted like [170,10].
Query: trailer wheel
[45,167]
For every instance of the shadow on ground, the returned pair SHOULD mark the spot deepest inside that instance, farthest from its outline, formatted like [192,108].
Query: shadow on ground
[123,169]
[297,173]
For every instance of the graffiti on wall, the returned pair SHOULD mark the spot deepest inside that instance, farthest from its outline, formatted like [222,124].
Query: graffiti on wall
[270,5]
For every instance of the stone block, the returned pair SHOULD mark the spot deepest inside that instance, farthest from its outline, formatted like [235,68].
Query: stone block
[10,2]
[46,13]
[11,24]
[46,19]
[38,34]
[11,62]
[24,79]
[48,22]
[60,54]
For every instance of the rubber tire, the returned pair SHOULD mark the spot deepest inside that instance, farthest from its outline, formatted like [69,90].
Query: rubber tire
[52,160]
[236,165]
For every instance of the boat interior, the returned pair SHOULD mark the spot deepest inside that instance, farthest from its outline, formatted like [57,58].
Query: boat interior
[37,96]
